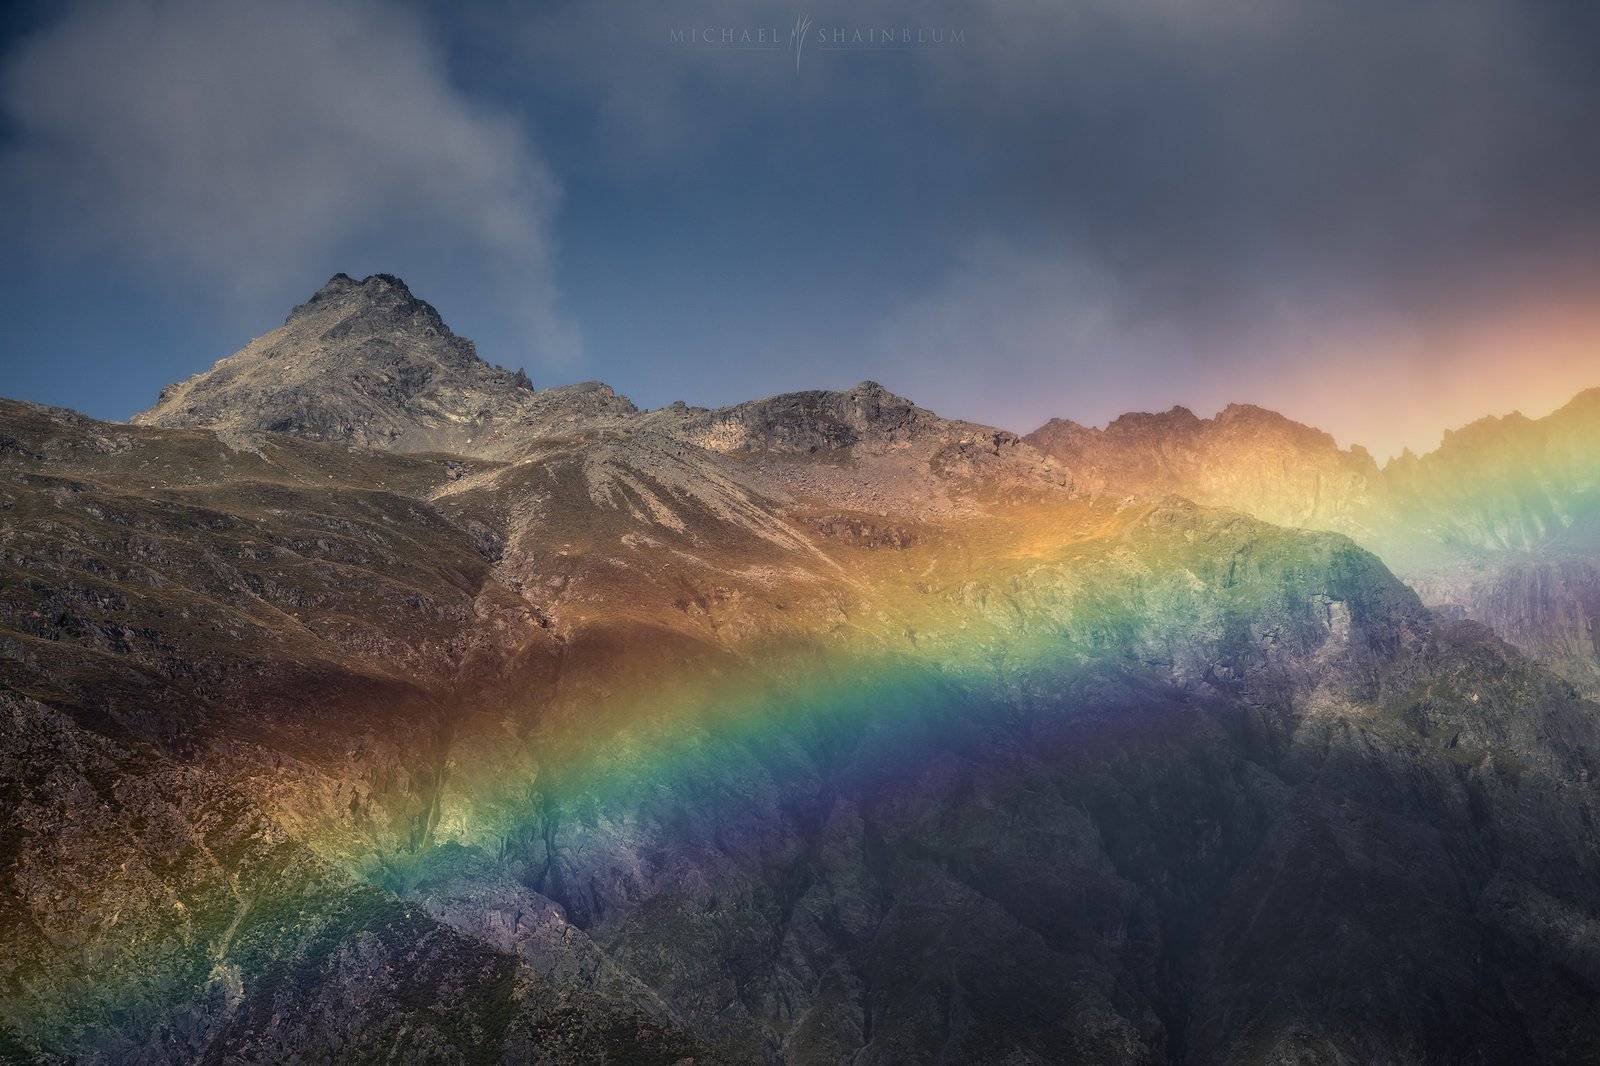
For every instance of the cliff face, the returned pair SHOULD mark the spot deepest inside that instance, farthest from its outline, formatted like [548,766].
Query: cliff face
[816,730]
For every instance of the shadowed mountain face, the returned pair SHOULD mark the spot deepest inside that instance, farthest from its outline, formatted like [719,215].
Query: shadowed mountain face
[819,729]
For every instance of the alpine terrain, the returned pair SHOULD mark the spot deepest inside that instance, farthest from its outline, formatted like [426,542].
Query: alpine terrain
[362,702]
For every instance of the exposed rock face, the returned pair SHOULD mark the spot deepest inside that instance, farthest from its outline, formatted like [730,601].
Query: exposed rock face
[815,730]
[226,677]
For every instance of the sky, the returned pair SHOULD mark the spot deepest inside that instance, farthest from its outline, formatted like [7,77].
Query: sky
[1379,218]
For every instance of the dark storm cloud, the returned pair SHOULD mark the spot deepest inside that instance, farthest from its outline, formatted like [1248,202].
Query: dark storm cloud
[1350,142]
[1126,198]
[1272,201]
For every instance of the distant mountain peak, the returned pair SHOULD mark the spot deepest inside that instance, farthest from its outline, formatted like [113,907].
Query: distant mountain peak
[340,282]
[381,300]
[1587,398]
[1176,418]
[1246,458]
[1250,412]
[374,286]
[365,362]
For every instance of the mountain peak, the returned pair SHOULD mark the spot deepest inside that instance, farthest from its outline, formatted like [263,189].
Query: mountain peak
[340,282]
[1247,458]
[1589,397]
[379,297]
[364,362]
[1177,419]
[1250,412]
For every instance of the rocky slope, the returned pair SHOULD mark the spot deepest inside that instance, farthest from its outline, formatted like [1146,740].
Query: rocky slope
[227,675]
[814,730]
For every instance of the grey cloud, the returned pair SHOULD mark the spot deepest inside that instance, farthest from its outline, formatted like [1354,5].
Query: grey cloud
[1337,137]
[1221,163]
[249,143]
[1013,338]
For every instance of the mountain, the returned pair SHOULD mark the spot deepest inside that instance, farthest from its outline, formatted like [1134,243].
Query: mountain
[1510,484]
[818,729]
[367,363]
[1246,459]
[1501,522]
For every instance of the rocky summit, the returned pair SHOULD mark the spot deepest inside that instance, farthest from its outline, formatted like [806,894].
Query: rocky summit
[365,363]
[362,702]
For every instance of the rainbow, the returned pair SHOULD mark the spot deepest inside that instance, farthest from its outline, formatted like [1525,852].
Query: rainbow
[1051,636]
